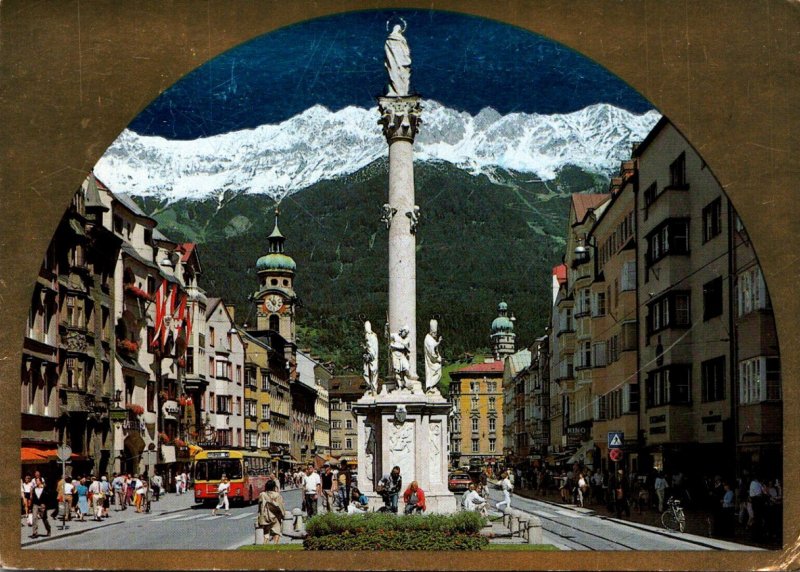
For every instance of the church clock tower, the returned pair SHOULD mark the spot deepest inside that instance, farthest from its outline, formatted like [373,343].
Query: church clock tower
[275,299]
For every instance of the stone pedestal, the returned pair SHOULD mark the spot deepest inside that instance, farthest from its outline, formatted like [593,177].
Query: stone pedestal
[408,430]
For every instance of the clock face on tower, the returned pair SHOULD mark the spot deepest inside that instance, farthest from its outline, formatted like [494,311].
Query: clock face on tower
[274,303]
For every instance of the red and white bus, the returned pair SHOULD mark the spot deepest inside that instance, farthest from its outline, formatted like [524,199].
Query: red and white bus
[247,472]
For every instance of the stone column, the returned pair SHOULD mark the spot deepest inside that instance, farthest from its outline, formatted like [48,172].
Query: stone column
[400,118]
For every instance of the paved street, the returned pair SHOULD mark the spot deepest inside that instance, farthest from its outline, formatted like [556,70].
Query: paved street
[176,522]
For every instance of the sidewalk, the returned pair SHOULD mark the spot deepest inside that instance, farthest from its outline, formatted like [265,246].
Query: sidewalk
[168,503]
[697,519]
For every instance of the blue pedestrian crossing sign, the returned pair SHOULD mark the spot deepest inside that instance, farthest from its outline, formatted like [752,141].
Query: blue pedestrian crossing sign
[616,439]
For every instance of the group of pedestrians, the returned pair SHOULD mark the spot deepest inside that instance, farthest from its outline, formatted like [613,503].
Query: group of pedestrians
[83,497]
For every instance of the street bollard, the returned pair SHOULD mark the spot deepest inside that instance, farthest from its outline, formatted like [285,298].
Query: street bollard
[524,522]
[259,534]
[299,521]
[514,523]
[288,525]
[507,517]
[534,530]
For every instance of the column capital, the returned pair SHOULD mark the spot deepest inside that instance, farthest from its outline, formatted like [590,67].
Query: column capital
[400,117]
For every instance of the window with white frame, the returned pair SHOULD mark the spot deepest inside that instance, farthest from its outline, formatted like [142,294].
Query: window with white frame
[759,380]
[475,446]
[264,439]
[348,424]
[599,354]
[492,424]
[599,306]
[669,385]
[628,276]
[584,302]
[584,355]
[492,445]
[474,423]
[492,403]
[264,411]
[712,219]
[348,443]
[751,291]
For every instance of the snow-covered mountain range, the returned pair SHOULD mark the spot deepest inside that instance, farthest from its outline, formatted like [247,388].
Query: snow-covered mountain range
[319,144]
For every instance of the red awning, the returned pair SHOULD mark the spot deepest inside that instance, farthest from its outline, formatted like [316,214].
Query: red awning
[34,455]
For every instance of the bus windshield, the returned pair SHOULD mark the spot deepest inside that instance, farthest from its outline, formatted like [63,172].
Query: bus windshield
[213,469]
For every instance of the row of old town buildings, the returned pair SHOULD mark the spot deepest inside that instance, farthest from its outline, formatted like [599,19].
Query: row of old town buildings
[132,365]
[662,333]
[661,337]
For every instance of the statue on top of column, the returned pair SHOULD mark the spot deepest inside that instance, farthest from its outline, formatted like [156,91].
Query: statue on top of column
[370,358]
[398,62]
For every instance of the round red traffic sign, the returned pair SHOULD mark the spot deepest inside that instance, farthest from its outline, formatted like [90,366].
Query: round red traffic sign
[615,454]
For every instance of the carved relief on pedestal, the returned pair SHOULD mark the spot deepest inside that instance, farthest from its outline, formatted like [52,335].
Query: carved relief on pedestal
[435,449]
[369,451]
[401,448]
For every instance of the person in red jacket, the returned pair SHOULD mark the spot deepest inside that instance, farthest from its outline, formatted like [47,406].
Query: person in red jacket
[414,498]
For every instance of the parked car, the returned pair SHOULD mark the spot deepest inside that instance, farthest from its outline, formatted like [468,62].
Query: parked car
[459,482]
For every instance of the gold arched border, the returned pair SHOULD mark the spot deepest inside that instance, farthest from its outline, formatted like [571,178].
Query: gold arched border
[73,73]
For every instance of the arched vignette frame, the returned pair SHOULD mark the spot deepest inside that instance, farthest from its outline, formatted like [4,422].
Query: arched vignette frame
[73,74]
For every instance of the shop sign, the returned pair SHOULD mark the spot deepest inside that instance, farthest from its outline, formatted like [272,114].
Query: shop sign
[170,409]
[132,425]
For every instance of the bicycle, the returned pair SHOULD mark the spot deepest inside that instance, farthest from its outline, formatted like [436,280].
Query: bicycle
[673,518]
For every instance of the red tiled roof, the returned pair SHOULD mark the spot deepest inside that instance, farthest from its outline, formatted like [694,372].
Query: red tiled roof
[583,203]
[560,272]
[187,248]
[491,367]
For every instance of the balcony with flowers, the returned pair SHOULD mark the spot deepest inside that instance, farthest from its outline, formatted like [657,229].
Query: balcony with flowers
[128,347]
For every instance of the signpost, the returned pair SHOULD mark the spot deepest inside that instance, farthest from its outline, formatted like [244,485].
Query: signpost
[64,452]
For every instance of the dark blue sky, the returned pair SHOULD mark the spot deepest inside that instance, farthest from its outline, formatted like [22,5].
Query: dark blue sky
[464,62]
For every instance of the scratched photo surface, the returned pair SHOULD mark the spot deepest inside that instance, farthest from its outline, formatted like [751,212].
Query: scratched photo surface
[401,261]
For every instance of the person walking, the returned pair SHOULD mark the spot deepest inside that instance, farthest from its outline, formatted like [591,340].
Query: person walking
[157,483]
[26,489]
[82,492]
[222,494]
[345,482]
[130,489]
[661,490]
[96,495]
[312,490]
[328,484]
[105,491]
[620,487]
[271,512]
[69,492]
[40,499]
[583,487]
[506,486]
[118,484]
[414,497]
[179,484]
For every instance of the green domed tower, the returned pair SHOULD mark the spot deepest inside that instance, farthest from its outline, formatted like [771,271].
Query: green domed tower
[275,299]
[503,335]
